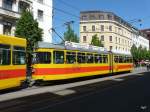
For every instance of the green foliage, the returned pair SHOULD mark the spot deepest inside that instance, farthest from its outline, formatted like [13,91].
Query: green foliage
[140,53]
[69,35]
[95,41]
[28,28]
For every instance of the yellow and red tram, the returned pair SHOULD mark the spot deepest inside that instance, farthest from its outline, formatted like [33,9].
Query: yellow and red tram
[12,61]
[54,62]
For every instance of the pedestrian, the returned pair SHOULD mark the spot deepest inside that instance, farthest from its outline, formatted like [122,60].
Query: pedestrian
[148,66]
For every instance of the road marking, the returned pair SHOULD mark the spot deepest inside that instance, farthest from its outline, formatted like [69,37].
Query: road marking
[139,74]
[143,107]
[116,79]
[64,92]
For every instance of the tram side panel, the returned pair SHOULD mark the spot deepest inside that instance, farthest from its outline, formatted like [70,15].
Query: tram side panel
[12,61]
[123,63]
[59,67]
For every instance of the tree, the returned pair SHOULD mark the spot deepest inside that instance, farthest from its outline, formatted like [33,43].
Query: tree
[140,53]
[69,35]
[134,52]
[28,28]
[96,42]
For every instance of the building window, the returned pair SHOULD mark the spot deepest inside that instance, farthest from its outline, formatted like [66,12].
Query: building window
[40,1]
[92,17]
[84,18]
[7,4]
[110,28]
[7,28]
[93,28]
[110,48]
[84,28]
[122,41]
[109,17]
[117,19]
[110,38]
[119,40]
[116,30]
[23,6]
[102,38]
[102,27]
[40,15]
[116,39]
[101,17]
[119,30]
[84,38]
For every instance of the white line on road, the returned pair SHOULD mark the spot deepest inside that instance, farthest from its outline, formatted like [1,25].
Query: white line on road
[64,92]
[117,79]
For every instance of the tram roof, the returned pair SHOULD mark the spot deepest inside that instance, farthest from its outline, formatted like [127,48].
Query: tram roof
[63,47]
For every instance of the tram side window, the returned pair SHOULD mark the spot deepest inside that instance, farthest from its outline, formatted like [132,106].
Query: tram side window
[120,59]
[128,59]
[90,58]
[70,57]
[81,58]
[131,60]
[116,59]
[105,58]
[18,55]
[58,57]
[5,54]
[124,59]
[98,58]
[43,57]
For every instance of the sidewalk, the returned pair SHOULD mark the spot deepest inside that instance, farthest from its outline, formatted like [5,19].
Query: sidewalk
[55,88]
[139,69]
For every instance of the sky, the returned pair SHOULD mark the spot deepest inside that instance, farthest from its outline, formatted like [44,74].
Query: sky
[69,10]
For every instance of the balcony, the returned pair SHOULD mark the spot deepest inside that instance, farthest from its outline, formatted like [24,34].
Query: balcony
[9,13]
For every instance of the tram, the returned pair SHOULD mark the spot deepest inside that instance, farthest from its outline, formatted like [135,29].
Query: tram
[12,61]
[55,62]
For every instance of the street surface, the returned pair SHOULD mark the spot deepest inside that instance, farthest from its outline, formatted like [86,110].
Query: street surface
[125,94]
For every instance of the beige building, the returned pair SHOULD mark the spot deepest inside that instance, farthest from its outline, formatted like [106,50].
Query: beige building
[115,33]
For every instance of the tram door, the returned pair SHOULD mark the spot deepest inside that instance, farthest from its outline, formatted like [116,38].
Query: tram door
[111,64]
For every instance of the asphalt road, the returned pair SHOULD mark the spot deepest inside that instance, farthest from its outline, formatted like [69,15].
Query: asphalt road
[127,94]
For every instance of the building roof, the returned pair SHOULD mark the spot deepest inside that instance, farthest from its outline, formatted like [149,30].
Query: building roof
[119,19]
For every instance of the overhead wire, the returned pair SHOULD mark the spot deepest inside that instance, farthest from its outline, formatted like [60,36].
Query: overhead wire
[69,5]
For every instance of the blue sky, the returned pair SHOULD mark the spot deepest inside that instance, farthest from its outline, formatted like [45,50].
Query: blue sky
[127,9]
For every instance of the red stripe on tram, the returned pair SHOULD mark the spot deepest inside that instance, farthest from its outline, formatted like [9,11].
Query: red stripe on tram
[57,71]
[6,74]
[124,66]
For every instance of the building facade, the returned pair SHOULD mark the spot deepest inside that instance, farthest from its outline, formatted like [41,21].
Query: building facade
[115,33]
[10,12]
[147,32]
